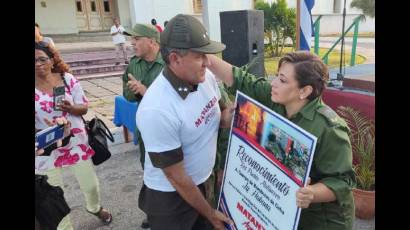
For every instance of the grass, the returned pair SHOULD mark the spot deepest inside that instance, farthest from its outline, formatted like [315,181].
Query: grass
[271,63]
[350,34]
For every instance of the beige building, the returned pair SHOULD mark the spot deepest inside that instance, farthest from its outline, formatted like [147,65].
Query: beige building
[77,16]
[74,16]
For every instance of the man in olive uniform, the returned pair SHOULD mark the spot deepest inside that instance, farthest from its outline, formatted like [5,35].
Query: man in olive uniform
[144,67]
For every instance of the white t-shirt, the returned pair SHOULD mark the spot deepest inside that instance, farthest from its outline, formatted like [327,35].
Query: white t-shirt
[167,122]
[118,38]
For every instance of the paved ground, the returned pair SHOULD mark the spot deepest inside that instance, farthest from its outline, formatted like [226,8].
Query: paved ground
[120,182]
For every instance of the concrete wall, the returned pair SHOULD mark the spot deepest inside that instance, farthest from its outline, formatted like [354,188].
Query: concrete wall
[332,23]
[162,10]
[211,10]
[58,17]
[124,13]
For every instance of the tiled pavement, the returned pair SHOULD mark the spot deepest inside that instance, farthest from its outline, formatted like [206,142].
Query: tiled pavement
[101,94]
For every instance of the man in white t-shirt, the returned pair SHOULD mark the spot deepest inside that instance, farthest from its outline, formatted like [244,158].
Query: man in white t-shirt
[119,41]
[178,118]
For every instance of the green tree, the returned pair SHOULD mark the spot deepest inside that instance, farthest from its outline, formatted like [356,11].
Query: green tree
[367,6]
[280,24]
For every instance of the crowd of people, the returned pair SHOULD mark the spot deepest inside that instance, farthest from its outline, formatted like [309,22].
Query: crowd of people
[173,75]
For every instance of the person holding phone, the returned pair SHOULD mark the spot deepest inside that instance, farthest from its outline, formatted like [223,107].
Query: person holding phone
[51,72]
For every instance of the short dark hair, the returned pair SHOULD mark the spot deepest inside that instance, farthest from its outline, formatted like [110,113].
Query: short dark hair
[153,21]
[166,51]
[37,25]
[309,70]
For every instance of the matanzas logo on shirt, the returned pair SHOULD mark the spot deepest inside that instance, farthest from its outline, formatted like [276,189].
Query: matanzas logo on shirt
[206,113]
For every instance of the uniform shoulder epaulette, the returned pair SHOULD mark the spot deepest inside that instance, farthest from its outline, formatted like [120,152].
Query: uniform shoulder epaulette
[330,115]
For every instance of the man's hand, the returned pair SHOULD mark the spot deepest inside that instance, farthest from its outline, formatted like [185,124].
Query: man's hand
[136,86]
[186,188]
[218,219]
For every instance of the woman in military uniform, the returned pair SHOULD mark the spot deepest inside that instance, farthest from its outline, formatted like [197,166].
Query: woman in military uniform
[327,202]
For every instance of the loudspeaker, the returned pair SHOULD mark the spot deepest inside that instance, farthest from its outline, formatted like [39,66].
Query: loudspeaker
[242,32]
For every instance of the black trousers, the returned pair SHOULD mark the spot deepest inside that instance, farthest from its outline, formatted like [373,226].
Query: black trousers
[169,211]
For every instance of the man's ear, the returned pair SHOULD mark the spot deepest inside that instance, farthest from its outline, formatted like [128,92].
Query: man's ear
[173,58]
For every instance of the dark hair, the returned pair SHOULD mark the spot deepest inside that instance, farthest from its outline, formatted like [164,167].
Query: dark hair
[165,23]
[59,65]
[166,51]
[153,21]
[36,25]
[309,70]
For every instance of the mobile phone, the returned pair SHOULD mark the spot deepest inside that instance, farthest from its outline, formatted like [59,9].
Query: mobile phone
[48,136]
[59,95]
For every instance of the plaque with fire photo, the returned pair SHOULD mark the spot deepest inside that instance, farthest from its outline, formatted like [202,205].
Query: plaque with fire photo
[268,160]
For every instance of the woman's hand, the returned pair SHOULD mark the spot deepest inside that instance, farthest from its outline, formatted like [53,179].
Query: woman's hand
[38,151]
[305,196]
[74,109]
[57,121]
[60,121]
[66,106]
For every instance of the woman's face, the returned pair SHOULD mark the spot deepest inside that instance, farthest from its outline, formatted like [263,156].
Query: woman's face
[42,63]
[285,88]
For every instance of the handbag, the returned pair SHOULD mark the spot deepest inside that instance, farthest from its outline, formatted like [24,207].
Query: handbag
[98,133]
[50,204]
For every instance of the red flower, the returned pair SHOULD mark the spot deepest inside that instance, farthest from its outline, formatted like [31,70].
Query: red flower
[76,130]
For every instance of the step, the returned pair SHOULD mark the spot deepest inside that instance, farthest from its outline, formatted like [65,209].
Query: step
[99,75]
[81,37]
[91,62]
[91,58]
[82,47]
[92,55]
[104,68]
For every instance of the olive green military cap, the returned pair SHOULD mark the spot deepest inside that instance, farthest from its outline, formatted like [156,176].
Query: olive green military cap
[187,32]
[143,30]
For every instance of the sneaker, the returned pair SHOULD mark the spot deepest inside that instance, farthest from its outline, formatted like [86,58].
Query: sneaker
[145,224]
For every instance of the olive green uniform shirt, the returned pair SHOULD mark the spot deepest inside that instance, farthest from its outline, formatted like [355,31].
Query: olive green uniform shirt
[332,162]
[146,72]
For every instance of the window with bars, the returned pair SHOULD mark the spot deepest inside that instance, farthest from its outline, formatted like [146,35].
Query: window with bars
[93,7]
[197,6]
[106,6]
[79,6]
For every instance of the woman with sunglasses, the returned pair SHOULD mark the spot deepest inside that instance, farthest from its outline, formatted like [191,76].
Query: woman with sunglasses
[327,202]
[50,73]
